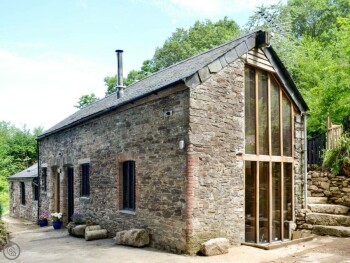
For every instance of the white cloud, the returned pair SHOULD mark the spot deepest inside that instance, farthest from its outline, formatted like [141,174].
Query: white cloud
[42,91]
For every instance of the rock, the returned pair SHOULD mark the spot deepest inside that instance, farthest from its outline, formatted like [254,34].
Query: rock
[216,246]
[133,237]
[70,227]
[96,234]
[91,228]
[79,230]
[329,209]
[337,231]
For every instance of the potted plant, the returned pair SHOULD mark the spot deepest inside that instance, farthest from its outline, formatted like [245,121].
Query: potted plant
[43,219]
[56,220]
[78,219]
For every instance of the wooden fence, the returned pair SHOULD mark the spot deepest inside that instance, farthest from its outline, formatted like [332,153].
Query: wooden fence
[317,145]
[315,148]
[333,134]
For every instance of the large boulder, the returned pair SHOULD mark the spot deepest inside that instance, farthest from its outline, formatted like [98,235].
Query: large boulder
[96,234]
[216,246]
[133,237]
[78,231]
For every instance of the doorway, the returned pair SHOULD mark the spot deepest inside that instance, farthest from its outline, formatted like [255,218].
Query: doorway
[268,201]
[70,188]
[57,190]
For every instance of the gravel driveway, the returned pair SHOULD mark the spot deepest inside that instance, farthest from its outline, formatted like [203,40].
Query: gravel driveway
[49,245]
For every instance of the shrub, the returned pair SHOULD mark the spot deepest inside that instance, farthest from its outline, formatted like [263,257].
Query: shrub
[78,218]
[1,211]
[338,159]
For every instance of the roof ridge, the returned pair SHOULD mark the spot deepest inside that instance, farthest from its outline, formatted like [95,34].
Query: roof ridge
[169,67]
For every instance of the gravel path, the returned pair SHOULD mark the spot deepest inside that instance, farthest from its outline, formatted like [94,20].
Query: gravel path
[49,245]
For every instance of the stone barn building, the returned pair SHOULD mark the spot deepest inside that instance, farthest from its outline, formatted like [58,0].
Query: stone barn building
[24,194]
[212,146]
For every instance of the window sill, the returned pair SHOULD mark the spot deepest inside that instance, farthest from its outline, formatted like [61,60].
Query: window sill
[129,212]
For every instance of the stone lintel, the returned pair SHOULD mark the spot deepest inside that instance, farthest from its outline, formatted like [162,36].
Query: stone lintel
[192,81]
[82,161]
[55,161]
[215,66]
[68,160]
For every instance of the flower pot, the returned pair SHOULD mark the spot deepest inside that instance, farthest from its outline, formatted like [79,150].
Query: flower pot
[57,224]
[42,223]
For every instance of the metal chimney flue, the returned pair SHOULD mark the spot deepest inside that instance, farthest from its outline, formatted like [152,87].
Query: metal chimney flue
[120,73]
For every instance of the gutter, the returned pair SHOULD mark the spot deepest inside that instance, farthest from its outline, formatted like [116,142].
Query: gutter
[39,180]
[304,114]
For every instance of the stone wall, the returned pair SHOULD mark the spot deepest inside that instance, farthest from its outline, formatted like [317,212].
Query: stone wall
[28,211]
[299,166]
[217,137]
[142,132]
[326,184]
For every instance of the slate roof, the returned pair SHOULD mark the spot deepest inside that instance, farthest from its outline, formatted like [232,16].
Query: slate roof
[30,172]
[162,79]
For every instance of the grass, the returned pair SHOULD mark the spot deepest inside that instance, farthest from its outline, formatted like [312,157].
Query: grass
[5,202]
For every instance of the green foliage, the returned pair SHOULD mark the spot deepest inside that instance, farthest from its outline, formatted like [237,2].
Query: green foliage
[338,159]
[18,150]
[1,211]
[86,100]
[312,39]
[182,44]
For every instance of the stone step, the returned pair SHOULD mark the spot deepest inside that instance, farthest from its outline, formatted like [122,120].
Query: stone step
[327,219]
[329,209]
[336,231]
[317,200]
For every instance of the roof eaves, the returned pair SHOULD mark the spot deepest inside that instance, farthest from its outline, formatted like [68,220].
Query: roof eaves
[104,111]
[286,78]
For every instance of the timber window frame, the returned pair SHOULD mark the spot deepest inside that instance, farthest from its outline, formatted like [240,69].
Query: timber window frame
[128,186]
[35,186]
[23,193]
[269,158]
[44,178]
[85,180]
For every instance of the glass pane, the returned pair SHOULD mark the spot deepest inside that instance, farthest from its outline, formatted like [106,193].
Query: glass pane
[250,202]
[263,202]
[250,129]
[276,201]
[263,114]
[287,126]
[287,198]
[275,118]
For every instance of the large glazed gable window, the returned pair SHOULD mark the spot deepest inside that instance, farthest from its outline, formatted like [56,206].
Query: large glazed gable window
[266,107]
[129,182]
[268,159]
[85,179]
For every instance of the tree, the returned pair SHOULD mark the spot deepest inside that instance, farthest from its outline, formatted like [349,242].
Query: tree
[18,150]
[182,44]
[86,100]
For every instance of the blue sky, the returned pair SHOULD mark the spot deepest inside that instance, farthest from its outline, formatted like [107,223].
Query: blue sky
[52,52]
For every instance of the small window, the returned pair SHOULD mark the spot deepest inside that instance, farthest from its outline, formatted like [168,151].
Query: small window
[35,189]
[129,185]
[23,194]
[44,179]
[85,180]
